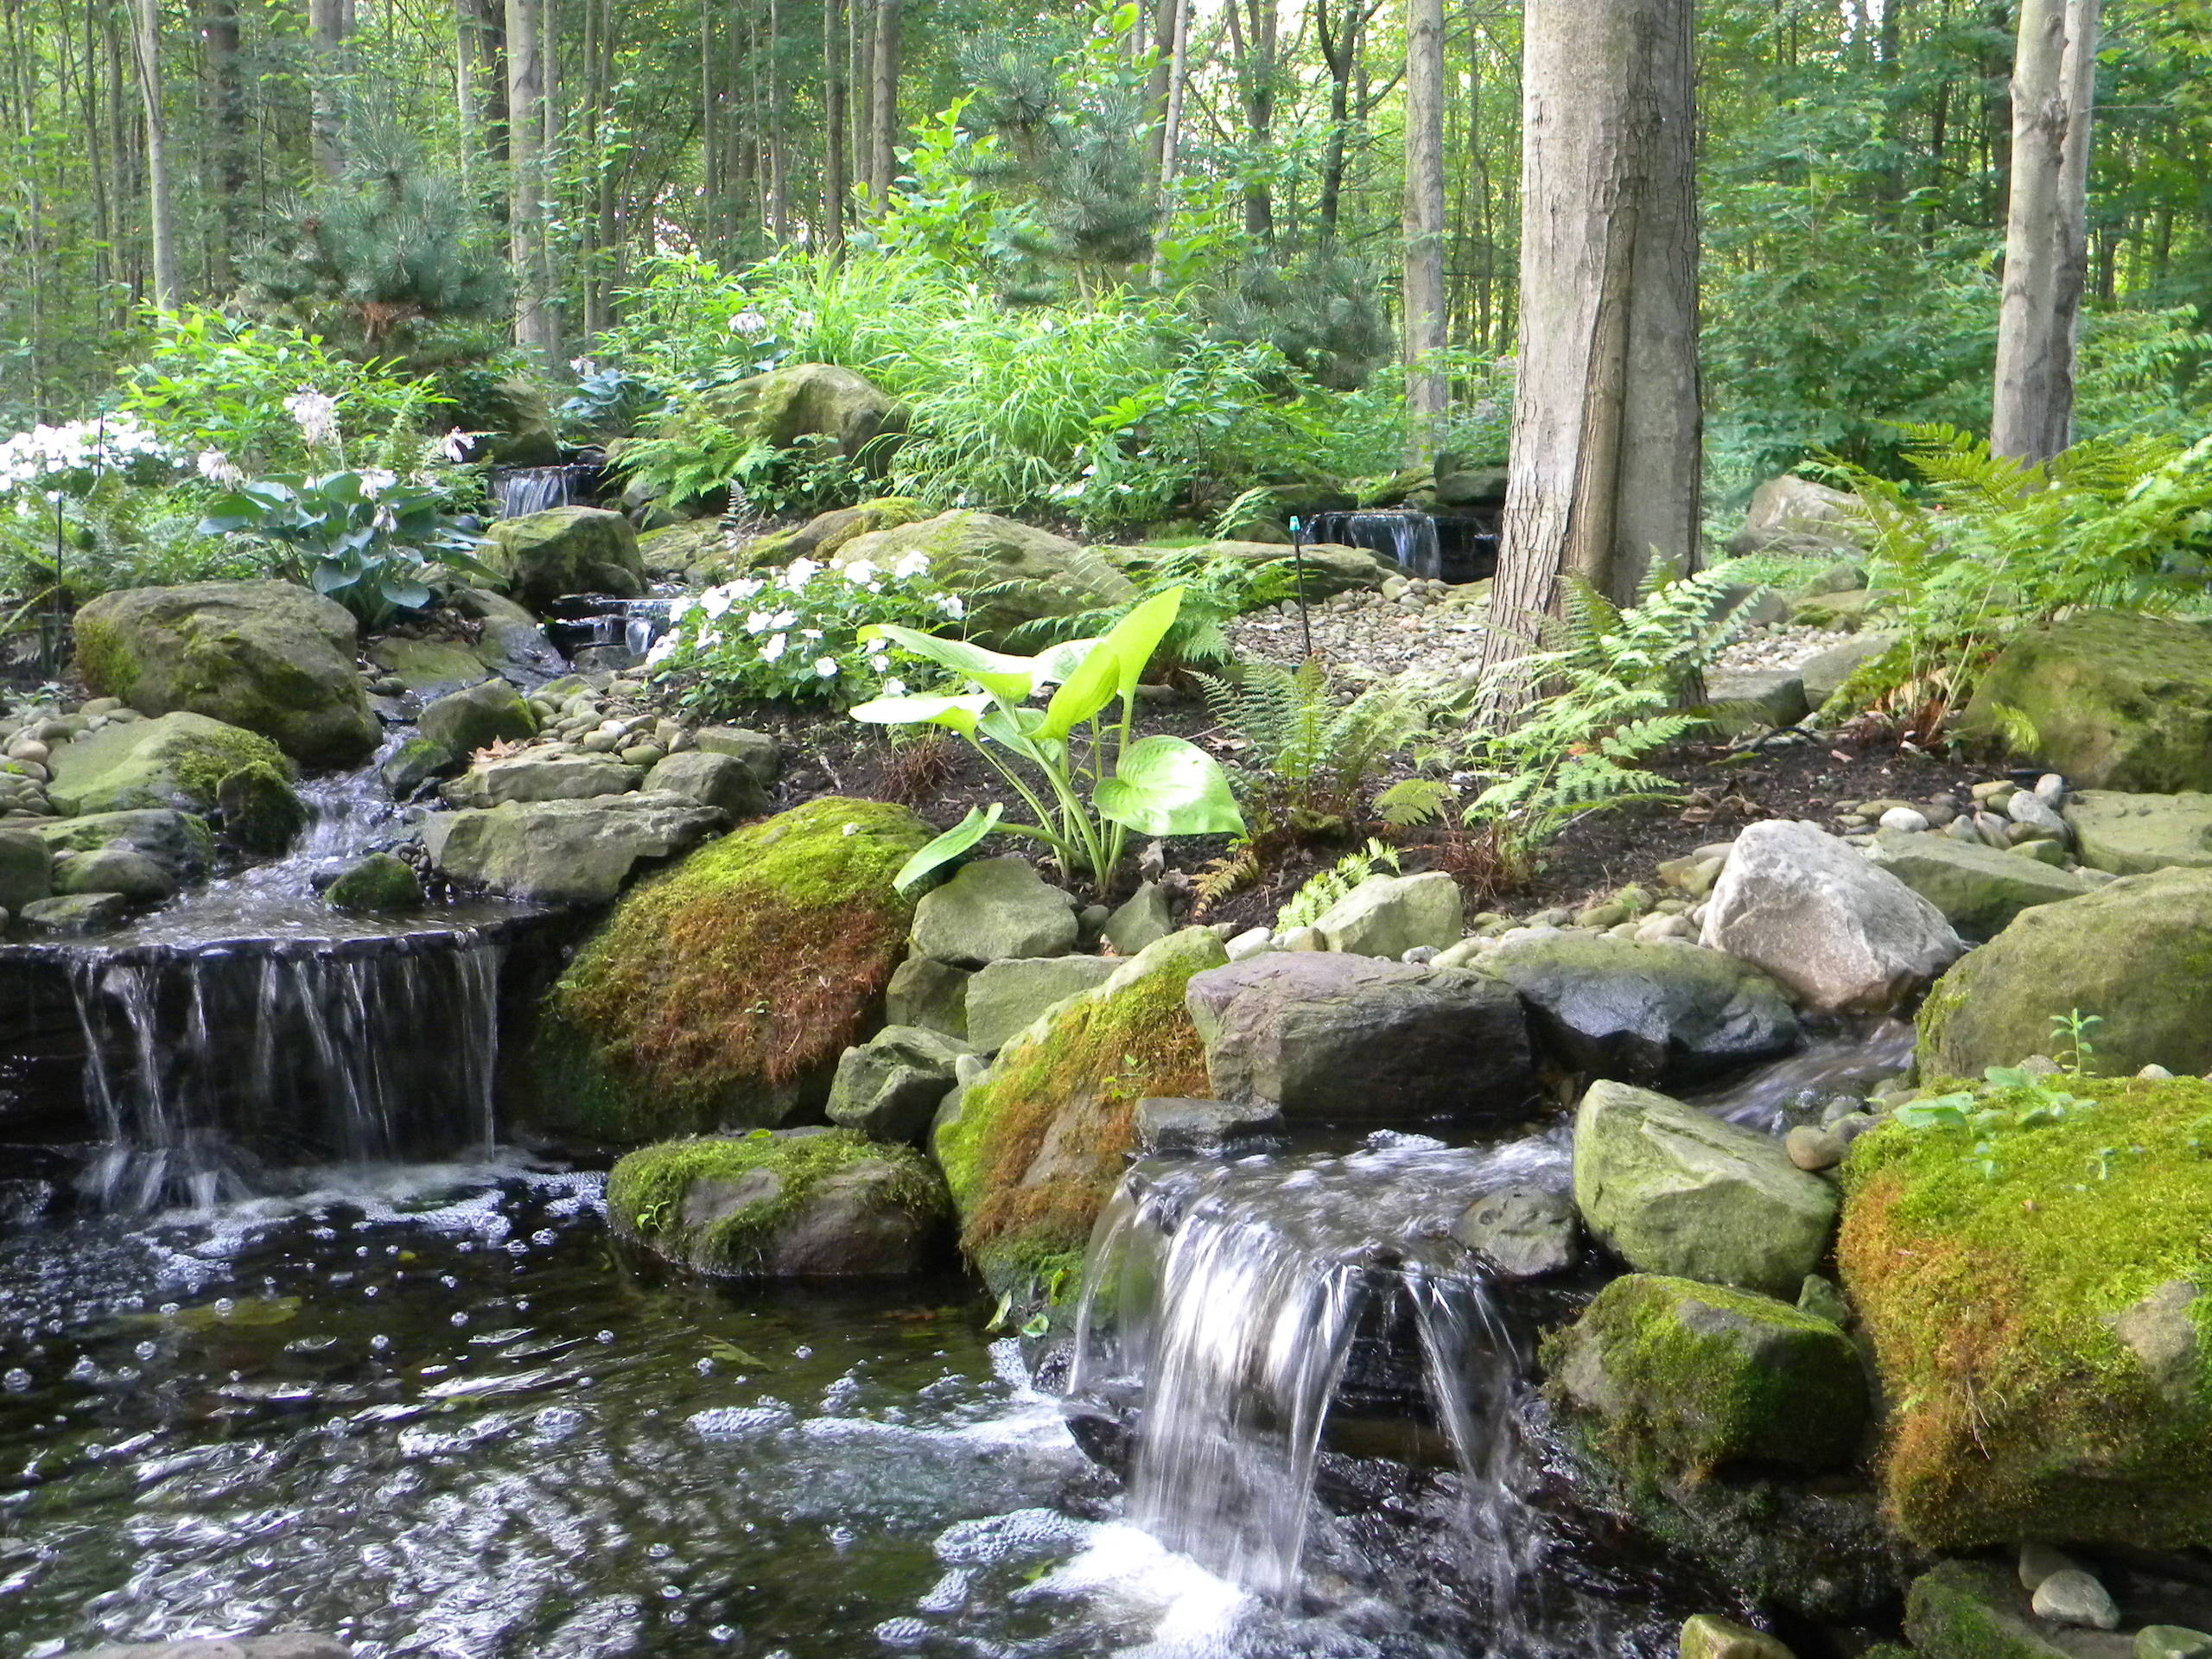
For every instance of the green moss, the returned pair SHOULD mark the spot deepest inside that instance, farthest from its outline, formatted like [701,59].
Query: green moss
[200,762]
[103,659]
[1039,1144]
[646,1191]
[2020,1410]
[1972,1610]
[1686,1393]
[377,881]
[718,994]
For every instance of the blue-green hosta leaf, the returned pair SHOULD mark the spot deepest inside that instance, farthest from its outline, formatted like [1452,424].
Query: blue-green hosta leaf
[956,713]
[1011,677]
[949,846]
[1164,787]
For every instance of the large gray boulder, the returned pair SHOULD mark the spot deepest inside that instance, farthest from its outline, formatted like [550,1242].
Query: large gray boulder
[1978,887]
[1823,673]
[1029,573]
[269,656]
[1646,1013]
[929,993]
[1006,997]
[2131,835]
[178,762]
[1522,1231]
[890,1087]
[762,755]
[531,777]
[993,908]
[720,781]
[477,716]
[1673,1189]
[1389,915]
[541,557]
[180,842]
[809,400]
[1790,514]
[1811,911]
[1341,1039]
[564,851]
[26,869]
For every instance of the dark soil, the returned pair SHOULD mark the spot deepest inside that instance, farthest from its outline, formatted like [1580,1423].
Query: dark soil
[1725,788]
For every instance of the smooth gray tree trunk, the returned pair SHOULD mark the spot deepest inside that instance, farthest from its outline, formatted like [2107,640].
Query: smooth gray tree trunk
[883,103]
[538,323]
[1606,431]
[1427,389]
[2046,240]
[161,205]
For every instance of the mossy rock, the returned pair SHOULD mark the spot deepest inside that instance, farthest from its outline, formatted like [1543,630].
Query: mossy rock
[2136,952]
[178,760]
[1034,1148]
[823,535]
[377,881]
[426,664]
[2039,1325]
[699,549]
[1683,1379]
[1977,1610]
[1028,573]
[259,810]
[2116,699]
[541,557]
[799,1204]
[268,657]
[720,994]
[802,400]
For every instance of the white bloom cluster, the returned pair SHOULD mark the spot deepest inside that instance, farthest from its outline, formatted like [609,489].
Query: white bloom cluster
[29,459]
[315,413]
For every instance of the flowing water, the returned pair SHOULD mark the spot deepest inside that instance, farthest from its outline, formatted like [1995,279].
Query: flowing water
[1407,537]
[518,491]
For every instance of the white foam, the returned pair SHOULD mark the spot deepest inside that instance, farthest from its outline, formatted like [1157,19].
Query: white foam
[1131,1578]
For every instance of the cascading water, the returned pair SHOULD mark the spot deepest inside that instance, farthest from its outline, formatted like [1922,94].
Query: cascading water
[1236,1306]
[520,491]
[601,631]
[1407,537]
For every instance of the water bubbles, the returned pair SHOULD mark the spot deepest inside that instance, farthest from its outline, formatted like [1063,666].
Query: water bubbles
[660,1552]
[448,1281]
[224,1306]
[169,1309]
[459,1319]
[83,1370]
[705,1366]
[379,1343]
[544,1235]
[368,1290]
[723,1633]
[605,1336]
[840,1537]
[146,1349]
[518,1247]
[671,1592]
[16,1380]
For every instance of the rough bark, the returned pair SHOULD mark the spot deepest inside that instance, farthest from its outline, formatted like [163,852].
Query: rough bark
[1426,388]
[537,323]
[883,102]
[1605,421]
[833,130]
[227,111]
[2046,245]
[326,33]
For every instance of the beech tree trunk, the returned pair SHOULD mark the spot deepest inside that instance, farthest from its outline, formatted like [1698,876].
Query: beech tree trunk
[1427,389]
[538,323]
[833,131]
[227,111]
[326,32]
[161,209]
[1606,420]
[2046,242]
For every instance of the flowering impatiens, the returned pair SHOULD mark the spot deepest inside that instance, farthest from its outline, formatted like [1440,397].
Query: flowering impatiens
[49,460]
[794,633]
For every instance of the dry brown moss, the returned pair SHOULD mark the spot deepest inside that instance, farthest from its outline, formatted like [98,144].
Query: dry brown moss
[715,994]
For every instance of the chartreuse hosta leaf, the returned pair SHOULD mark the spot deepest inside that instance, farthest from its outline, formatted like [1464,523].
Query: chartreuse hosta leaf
[979,823]
[954,714]
[1010,677]
[1164,787]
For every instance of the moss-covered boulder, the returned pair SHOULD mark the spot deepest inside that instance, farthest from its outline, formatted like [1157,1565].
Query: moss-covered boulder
[574,852]
[477,716]
[821,536]
[1329,569]
[1679,1379]
[1978,1610]
[376,881]
[1042,575]
[179,760]
[2133,834]
[2136,952]
[181,843]
[428,666]
[1034,1148]
[269,656]
[699,549]
[26,869]
[540,556]
[1978,887]
[809,400]
[2038,1315]
[721,994]
[801,1203]
[2115,699]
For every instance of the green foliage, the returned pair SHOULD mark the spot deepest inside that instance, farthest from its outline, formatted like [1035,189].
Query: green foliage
[1214,592]
[797,633]
[368,541]
[1158,786]
[609,402]
[1304,757]
[1324,887]
[1323,312]
[1604,696]
[1987,546]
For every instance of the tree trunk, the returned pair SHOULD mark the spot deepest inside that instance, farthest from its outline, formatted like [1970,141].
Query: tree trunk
[883,103]
[833,131]
[468,49]
[227,97]
[859,92]
[538,323]
[779,199]
[2046,249]
[161,214]
[1427,387]
[1605,423]
[326,33]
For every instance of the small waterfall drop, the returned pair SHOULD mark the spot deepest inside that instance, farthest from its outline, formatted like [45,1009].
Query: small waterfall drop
[1406,536]
[598,631]
[518,491]
[1232,1309]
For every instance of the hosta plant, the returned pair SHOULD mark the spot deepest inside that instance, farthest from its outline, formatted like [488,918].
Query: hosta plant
[1076,763]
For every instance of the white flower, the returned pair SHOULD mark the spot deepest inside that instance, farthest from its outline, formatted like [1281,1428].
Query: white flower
[860,573]
[662,649]
[219,468]
[894,688]
[800,573]
[757,623]
[810,633]
[375,480]
[746,588]
[783,619]
[952,605]
[683,607]
[826,667]
[715,601]
[454,445]
[777,645]
[710,638]
[315,413]
[877,646]
[914,564]
[748,321]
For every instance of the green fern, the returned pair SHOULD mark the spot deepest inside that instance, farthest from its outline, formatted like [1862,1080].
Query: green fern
[1324,887]
[1303,752]
[1214,592]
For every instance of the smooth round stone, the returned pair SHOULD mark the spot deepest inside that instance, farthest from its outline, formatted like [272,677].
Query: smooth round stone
[1814,1149]
[29,748]
[2073,1597]
[1906,818]
[2050,789]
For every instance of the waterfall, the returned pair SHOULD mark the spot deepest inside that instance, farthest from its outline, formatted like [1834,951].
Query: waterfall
[1406,536]
[520,491]
[206,1066]
[1232,1308]
[618,631]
